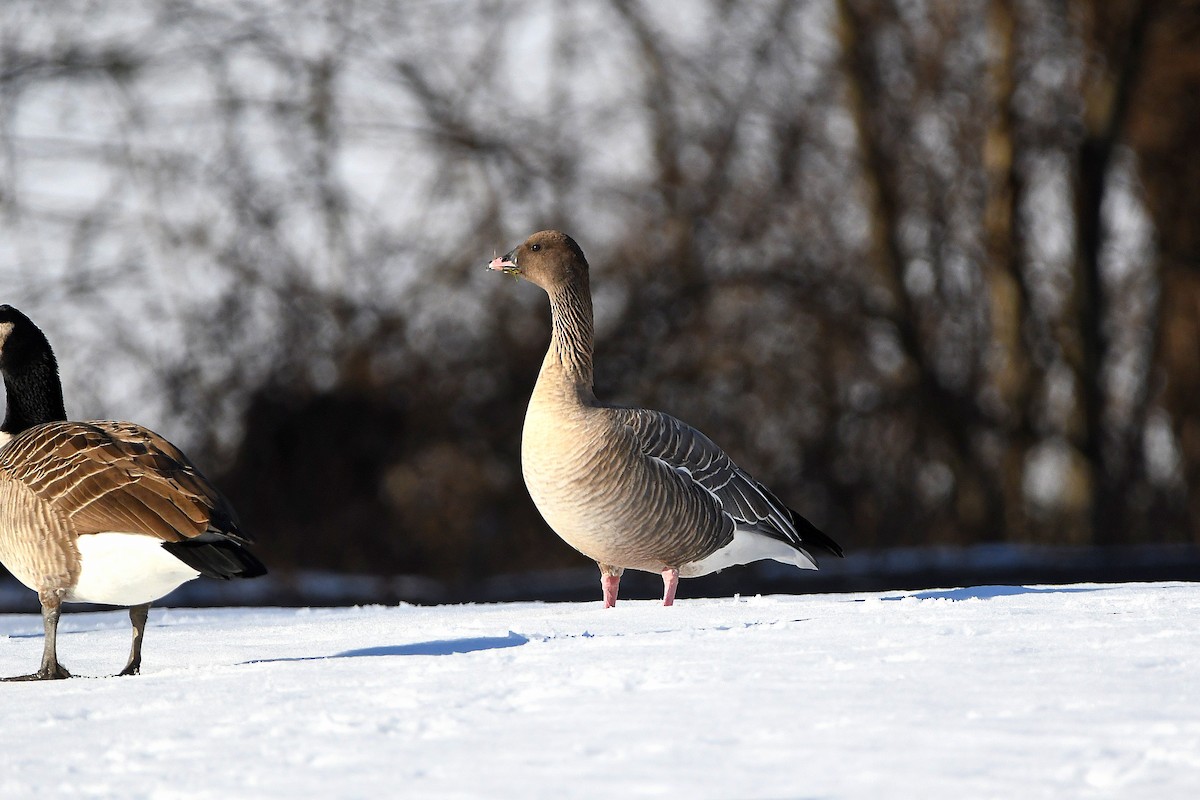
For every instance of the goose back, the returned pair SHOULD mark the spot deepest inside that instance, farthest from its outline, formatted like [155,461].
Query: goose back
[106,476]
[61,481]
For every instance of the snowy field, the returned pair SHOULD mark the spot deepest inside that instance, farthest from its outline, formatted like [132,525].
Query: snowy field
[996,692]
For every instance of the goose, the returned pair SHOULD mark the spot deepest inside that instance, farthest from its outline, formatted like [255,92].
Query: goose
[101,511]
[633,488]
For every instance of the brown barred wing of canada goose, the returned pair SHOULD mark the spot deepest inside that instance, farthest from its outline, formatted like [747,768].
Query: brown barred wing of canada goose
[633,488]
[99,512]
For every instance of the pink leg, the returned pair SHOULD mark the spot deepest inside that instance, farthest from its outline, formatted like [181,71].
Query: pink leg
[611,584]
[670,584]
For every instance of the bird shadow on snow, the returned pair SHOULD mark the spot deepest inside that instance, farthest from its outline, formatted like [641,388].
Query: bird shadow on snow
[990,592]
[439,647]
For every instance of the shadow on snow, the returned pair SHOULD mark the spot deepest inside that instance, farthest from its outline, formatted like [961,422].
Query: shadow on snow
[990,592]
[442,647]
[439,647]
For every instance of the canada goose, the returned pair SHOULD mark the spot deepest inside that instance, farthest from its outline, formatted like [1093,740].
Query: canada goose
[99,512]
[629,487]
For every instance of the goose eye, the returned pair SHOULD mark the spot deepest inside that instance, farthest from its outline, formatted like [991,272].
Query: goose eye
[535,247]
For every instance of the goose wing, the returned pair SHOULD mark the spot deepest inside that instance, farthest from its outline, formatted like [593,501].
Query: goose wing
[117,476]
[750,505]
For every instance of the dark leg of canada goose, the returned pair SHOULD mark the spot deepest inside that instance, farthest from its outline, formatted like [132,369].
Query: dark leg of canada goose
[670,584]
[50,668]
[610,582]
[138,616]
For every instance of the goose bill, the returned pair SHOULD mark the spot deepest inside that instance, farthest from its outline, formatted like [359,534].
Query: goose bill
[504,264]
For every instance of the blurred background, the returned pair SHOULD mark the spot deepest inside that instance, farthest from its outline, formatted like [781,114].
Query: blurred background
[928,268]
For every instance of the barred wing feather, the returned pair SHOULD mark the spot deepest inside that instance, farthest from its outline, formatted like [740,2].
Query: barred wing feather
[751,506]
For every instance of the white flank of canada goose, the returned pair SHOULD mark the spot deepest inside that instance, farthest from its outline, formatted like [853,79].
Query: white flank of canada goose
[629,487]
[100,511]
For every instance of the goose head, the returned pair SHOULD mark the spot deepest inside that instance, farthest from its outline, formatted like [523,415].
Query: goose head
[32,386]
[21,342]
[549,259]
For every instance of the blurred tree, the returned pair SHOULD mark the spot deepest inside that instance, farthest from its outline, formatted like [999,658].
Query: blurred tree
[1162,127]
[928,268]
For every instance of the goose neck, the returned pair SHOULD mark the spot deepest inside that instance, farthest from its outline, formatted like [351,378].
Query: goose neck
[34,396]
[571,338]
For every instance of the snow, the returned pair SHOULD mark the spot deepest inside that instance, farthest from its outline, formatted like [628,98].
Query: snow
[1086,690]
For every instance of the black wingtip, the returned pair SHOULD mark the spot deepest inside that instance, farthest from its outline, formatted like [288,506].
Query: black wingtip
[812,537]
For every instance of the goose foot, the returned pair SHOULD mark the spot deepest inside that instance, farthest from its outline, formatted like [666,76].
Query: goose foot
[54,673]
[670,584]
[611,584]
[50,670]
[137,616]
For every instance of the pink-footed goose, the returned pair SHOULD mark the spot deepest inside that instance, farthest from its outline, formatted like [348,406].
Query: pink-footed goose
[98,512]
[629,487]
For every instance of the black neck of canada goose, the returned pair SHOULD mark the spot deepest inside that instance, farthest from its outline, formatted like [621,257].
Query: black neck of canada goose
[31,383]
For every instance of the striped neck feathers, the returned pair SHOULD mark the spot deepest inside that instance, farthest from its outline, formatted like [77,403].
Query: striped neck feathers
[571,338]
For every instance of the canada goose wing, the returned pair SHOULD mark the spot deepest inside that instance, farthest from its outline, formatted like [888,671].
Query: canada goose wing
[748,503]
[117,476]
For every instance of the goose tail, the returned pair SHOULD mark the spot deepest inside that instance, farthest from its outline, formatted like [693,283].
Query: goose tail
[214,556]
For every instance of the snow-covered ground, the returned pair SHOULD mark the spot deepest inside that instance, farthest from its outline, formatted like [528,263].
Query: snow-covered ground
[996,692]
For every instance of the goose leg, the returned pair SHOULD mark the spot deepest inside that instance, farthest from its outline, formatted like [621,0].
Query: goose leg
[610,582]
[670,584]
[138,616]
[50,668]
